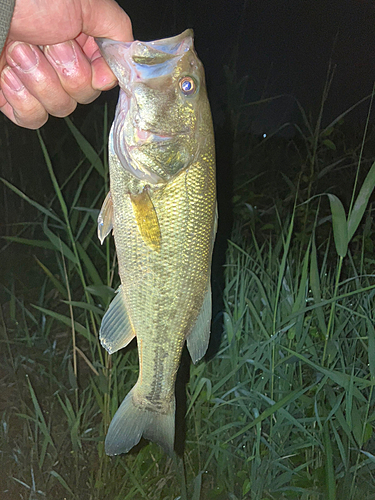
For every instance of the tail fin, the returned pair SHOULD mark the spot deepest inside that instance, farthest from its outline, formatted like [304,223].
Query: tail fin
[131,422]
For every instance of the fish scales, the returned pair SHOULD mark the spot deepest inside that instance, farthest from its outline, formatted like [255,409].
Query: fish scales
[163,210]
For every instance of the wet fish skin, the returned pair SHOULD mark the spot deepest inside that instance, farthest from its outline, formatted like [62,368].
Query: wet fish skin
[162,209]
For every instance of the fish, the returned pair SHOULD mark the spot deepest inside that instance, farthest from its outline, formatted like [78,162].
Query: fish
[162,211]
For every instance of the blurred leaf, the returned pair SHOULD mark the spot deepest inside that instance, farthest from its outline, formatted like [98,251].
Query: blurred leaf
[59,245]
[72,377]
[62,481]
[368,433]
[90,267]
[105,292]
[66,320]
[292,396]
[41,209]
[371,347]
[329,468]
[32,243]
[361,202]
[197,484]
[329,144]
[86,148]
[340,228]
[57,284]
[203,382]
[369,455]
[85,305]
[315,286]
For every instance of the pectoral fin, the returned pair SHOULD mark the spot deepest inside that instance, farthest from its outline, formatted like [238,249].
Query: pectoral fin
[197,341]
[147,219]
[116,331]
[105,218]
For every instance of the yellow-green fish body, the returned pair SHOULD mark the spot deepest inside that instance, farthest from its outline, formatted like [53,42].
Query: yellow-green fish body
[162,208]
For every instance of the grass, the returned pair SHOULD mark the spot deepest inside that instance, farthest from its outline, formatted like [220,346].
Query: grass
[283,410]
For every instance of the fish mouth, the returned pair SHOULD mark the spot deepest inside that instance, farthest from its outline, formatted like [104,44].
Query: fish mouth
[136,61]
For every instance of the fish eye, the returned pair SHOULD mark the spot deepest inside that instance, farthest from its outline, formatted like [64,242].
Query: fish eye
[187,85]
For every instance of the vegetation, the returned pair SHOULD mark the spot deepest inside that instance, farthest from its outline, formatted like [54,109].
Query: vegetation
[282,409]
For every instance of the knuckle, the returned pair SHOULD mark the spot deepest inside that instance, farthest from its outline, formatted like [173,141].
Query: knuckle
[32,119]
[88,97]
[62,109]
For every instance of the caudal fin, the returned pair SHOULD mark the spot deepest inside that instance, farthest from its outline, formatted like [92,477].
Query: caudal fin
[131,422]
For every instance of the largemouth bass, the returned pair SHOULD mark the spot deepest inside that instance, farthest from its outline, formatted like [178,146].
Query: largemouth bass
[162,210]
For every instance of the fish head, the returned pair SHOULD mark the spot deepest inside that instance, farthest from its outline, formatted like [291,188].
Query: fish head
[162,108]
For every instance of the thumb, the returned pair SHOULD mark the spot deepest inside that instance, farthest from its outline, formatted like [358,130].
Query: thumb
[106,19]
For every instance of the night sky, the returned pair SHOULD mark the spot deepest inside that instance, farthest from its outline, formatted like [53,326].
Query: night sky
[284,46]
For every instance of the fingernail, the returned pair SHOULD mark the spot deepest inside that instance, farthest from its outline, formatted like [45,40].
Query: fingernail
[106,86]
[62,53]
[22,55]
[11,80]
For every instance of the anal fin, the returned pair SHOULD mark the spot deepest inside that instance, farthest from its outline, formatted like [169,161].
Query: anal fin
[199,337]
[116,330]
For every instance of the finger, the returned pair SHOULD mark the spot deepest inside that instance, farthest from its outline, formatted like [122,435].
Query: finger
[87,44]
[31,67]
[18,104]
[73,70]
[102,76]
[107,20]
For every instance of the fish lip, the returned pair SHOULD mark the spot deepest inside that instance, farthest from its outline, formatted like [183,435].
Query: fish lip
[120,55]
[169,42]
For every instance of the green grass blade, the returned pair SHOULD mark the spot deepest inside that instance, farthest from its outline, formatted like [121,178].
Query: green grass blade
[32,243]
[371,347]
[329,469]
[85,306]
[59,245]
[62,481]
[86,148]
[39,207]
[57,284]
[361,202]
[66,320]
[289,398]
[315,287]
[88,264]
[342,379]
[339,224]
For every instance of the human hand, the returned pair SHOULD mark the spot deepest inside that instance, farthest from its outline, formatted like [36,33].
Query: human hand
[51,62]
